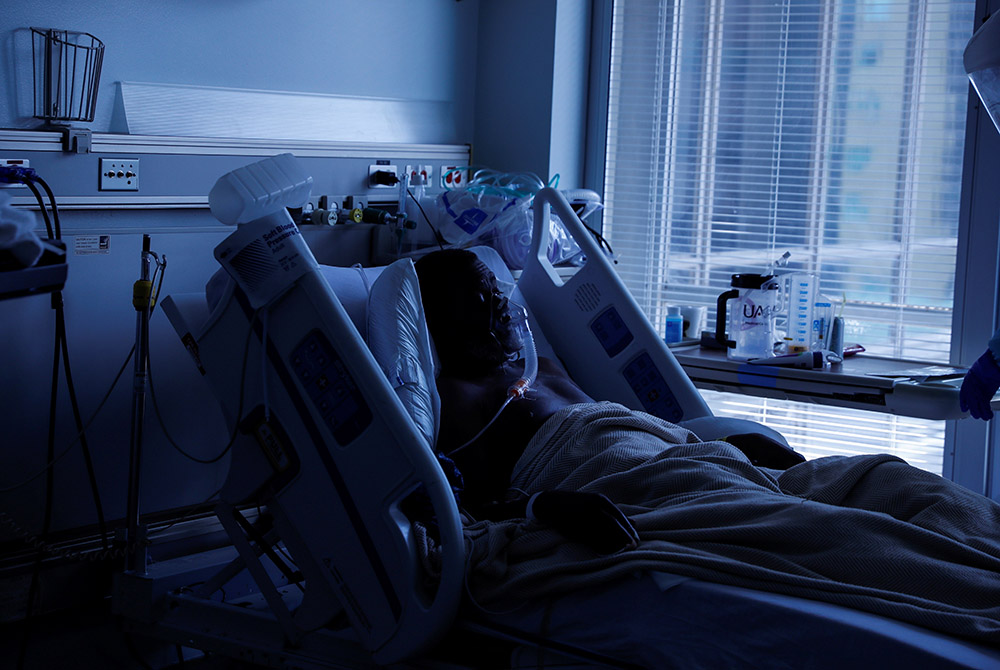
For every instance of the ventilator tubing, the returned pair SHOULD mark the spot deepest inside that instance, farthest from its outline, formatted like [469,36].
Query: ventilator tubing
[519,319]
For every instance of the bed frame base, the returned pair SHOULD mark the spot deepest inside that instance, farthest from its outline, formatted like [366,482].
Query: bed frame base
[249,627]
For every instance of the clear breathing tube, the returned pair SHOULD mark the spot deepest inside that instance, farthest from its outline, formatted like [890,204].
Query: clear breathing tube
[517,390]
[519,321]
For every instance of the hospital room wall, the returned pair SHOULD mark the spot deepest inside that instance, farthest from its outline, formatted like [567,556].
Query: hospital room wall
[514,72]
[532,85]
[394,49]
[397,49]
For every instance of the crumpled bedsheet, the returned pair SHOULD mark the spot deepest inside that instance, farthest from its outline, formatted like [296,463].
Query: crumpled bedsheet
[866,532]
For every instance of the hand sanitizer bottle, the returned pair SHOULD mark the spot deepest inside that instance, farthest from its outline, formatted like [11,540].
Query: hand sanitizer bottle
[674,325]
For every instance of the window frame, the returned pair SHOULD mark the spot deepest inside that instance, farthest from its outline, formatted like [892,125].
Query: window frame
[972,448]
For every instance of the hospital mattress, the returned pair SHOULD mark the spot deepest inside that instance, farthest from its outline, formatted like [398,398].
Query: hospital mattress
[662,620]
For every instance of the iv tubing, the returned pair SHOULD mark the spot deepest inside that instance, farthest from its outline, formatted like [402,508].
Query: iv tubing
[480,433]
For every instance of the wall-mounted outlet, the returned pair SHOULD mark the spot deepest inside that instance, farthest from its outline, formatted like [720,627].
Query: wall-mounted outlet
[16,163]
[419,174]
[382,176]
[454,177]
[119,174]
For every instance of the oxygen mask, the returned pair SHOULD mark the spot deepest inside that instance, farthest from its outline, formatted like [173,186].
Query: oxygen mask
[515,323]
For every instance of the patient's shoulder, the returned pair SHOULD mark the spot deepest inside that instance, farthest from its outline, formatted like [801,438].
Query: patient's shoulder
[468,404]
[463,404]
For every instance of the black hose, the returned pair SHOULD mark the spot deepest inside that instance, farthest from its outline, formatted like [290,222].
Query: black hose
[52,204]
[49,486]
[41,206]
[94,490]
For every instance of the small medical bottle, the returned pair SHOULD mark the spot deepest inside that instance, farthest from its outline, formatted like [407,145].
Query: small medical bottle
[836,343]
[674,325]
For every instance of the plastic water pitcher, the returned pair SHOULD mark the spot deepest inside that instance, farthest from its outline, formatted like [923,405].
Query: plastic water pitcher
[749,309]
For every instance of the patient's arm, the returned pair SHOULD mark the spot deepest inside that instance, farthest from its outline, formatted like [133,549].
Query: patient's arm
[588,518]
[765,452]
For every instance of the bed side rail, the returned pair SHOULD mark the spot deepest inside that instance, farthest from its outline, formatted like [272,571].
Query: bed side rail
[332,451]
[598,330]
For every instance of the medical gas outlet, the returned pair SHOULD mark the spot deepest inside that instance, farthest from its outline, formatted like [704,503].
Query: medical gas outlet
[420,175]
[119,174]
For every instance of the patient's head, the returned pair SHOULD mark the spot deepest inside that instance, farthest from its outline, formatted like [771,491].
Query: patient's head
[467,314]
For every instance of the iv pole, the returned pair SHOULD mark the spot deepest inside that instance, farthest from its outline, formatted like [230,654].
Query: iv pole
[135,534]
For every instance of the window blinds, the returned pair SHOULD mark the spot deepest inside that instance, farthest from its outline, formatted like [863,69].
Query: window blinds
[739,130]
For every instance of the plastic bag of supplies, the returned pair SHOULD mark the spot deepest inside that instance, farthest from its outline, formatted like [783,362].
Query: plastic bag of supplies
[495,210]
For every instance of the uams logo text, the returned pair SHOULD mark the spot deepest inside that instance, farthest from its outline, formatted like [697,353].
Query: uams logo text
[752,311]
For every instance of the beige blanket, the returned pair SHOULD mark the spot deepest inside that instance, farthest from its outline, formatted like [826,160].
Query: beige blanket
[868,532]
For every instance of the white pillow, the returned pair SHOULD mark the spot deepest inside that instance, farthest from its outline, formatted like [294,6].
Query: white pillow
[351,286]
[400,342]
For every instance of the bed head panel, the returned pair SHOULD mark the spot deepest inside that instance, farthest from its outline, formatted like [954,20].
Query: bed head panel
[599,332]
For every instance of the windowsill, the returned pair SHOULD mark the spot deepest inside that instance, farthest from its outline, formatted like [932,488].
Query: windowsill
[893,386]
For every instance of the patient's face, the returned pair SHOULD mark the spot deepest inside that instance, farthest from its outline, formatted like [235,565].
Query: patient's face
[467,314]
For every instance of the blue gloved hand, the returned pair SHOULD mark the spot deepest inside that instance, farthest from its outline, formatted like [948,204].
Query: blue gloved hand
[980,383]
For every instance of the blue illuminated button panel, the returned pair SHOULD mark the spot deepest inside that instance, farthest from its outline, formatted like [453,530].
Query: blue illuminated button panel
[331,387]
[651,388]
[611,331]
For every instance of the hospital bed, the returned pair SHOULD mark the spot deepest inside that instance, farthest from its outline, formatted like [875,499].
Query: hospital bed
[325,568]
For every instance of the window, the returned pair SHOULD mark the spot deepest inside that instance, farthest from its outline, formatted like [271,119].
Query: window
[742,129]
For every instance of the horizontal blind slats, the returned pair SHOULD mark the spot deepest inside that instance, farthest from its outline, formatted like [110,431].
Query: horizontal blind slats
[741,129]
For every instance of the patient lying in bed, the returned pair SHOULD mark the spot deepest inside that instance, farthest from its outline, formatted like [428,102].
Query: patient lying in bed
[870,532]
[470,323]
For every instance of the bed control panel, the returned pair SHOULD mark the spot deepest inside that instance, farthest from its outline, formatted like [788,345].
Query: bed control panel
[275,444]
[651,388]
[611,331]
[330,386]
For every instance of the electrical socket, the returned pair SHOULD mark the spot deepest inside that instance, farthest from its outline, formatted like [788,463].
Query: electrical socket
[453,177]
[119,174]
[418,173]
[372,169]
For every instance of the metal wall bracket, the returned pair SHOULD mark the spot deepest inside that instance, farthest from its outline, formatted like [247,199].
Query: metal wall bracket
[76,140]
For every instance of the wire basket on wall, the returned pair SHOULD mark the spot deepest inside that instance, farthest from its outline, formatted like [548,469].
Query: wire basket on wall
[67,70]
